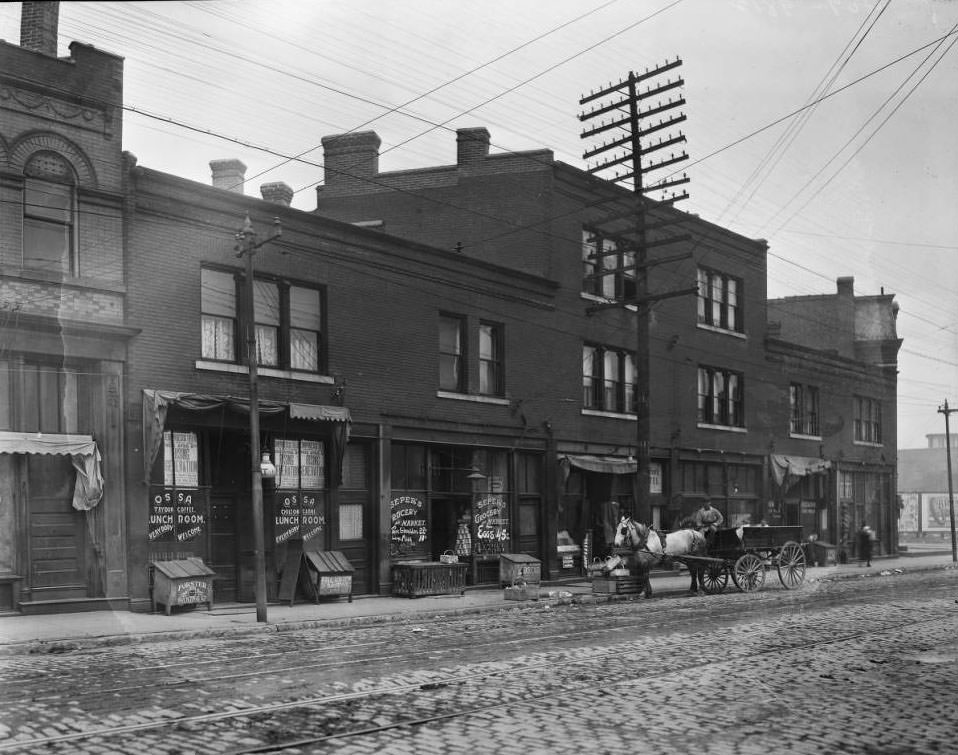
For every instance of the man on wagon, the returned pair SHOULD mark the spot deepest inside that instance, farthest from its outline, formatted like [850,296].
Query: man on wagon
[707,519]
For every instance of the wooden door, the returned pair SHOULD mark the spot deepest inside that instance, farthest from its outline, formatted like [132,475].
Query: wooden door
[223,547]
[57,531]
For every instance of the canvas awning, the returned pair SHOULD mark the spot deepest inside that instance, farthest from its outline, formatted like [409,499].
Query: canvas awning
[83,453]
[156,405]
[602,464]
[788,469]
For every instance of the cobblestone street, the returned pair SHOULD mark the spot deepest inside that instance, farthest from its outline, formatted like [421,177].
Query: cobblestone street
[852,666]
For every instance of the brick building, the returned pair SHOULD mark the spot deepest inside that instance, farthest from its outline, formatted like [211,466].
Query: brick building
[780,410]
[63,331]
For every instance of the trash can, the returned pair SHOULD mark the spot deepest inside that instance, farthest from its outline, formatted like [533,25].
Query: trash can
[822,553]
[182,582]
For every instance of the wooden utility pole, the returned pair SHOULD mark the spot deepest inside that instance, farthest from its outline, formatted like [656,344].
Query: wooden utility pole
[951,496]
[628,115]
[247,244]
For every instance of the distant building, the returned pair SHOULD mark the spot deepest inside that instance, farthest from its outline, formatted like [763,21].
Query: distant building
[923,487]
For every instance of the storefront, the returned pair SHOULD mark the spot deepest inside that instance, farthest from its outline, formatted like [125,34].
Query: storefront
[800,494]
[197,460]
[475,503]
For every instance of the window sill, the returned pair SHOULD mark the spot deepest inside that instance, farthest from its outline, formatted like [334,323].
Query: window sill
[726,428]
[610,415]
[868,444]
[721,331]
[473,397]
[241,369]
[800,436]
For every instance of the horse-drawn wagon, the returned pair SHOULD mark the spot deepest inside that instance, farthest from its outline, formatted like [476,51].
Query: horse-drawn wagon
[742,553]
[745,553]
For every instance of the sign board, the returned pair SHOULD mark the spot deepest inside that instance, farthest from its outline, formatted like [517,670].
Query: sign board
[492,524]
[408,525]
[177,515]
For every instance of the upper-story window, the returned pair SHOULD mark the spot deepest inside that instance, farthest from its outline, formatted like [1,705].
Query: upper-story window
[721,397]
[608,379]
[287,318]
[49,214]
[451,353]
[491,382]
[803,407]
[867,420]
[608,271]
[719,300]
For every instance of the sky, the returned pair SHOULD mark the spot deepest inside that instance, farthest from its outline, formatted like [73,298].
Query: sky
[826,127]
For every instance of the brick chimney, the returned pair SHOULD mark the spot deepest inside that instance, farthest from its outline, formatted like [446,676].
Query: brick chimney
[38,27]
[351,159]
[229,175]
[278,192]
[472,145]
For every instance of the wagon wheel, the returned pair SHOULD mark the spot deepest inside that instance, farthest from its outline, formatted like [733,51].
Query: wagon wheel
[791,565]
[715,578]
[749,573]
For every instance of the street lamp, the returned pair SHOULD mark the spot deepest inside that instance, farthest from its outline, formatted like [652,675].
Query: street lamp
[247,244]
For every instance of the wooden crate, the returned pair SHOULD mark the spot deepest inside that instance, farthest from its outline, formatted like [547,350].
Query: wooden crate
[616,586]
[413,579]
[521,591]
[182,582]
[518,567]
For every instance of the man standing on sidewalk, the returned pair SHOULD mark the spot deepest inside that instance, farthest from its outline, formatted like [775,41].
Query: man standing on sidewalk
[865,537]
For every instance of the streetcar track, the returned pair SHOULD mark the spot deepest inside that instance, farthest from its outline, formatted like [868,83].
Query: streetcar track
[532,668]
[613,624]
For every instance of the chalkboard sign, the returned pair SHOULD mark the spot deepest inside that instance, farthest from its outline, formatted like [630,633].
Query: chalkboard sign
[409,526]
[492,524]
[177,515]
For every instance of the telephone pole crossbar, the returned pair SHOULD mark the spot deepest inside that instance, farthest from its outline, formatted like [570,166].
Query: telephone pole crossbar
[628,150]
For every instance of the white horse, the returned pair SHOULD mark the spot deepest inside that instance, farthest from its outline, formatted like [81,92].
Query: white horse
[650,549]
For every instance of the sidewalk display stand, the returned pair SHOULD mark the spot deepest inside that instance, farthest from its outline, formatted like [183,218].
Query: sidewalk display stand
[518,567]
[319,574]
[182,582]
[413,579]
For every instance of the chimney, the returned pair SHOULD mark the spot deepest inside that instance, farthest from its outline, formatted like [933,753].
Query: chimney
[229,175]
[278,192]
[38,27]
[472,145]
[351,159]
[846,286]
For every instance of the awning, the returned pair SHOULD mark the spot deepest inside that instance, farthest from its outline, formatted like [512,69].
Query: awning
[603,464]
[787,469]
[81,449]
[156,405]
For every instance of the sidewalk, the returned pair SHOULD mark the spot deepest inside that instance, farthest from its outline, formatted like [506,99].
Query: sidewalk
[66,632]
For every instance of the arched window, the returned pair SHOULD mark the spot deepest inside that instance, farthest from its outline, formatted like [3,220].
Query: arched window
[49,214]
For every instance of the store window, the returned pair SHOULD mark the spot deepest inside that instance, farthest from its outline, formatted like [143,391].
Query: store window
[299,503]
[49,215]
[287,319]
[719,300]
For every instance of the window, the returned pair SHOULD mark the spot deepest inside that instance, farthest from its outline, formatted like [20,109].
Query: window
[287,318]
[300,464]
[607,270]
[608,379]
[721,397]
[719,299]
[218,315]
[803,404]
[180,459]
[451,367]
[867,420]
[49,208]
[490,359]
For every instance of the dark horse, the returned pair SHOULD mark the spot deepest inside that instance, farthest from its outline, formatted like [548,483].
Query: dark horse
[649,549]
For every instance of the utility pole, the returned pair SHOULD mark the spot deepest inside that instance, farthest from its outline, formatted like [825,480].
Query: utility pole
[247,244]
[951,499]
[628,115]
